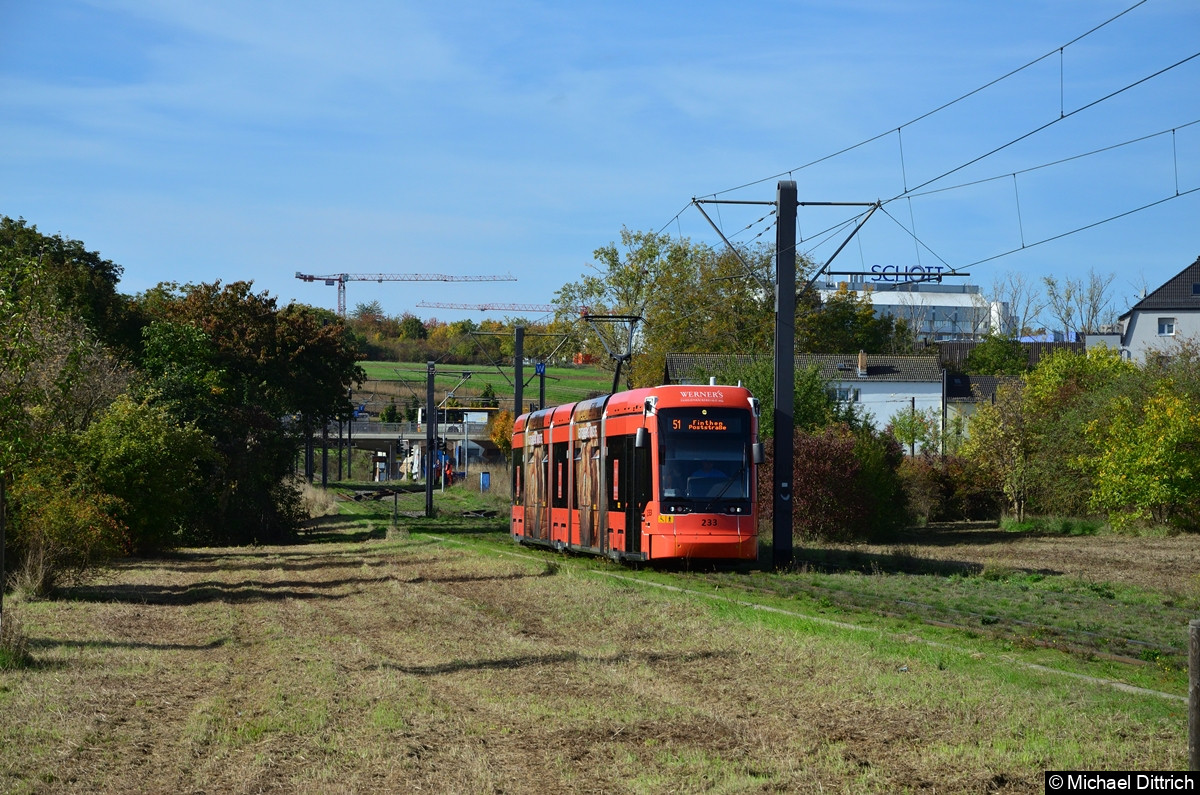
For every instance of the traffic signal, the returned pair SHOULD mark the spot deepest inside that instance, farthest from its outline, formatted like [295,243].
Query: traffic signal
[441,444]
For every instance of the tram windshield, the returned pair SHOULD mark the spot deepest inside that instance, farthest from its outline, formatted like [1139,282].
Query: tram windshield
[703,454]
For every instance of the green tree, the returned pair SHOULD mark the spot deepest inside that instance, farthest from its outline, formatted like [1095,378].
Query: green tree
[689,297]
[411,328]
[64,524]
[916,431]
[54,378]
[1001,440]
[846,322]
[997,354]
[82,284]
[1146,460]
[153,466]
[487,397]
[813,406]
[237,367]
[1063,395]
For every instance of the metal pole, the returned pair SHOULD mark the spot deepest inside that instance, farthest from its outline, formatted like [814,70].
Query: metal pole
[519,372]
[324,454]
[1193,694]
[308,450]
[785,371]
[430,428]
[912,418]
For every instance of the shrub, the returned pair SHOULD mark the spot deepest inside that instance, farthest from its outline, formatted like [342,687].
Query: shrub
[14,646]
[948,489]
[63,526]
[844,485]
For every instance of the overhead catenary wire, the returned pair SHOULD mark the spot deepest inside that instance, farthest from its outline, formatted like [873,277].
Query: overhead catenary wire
[920,188]
[1013,174]
[1057,50]
[1085,227]
[1049,124]
[1060,161]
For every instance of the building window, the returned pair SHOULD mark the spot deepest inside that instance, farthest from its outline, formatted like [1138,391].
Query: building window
[1195,288]
[1166,327]
[844,394]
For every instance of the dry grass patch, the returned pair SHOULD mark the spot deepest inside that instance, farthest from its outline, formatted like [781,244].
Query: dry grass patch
[406,665]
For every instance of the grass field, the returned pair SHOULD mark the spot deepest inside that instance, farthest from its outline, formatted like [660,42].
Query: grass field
[563,384]
[436,656]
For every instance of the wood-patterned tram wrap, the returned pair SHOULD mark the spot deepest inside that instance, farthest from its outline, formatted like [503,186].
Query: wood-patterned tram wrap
[660,473]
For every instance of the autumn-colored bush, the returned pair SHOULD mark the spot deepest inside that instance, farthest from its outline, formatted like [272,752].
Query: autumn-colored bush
[948,489]
[844,485]
[63,526]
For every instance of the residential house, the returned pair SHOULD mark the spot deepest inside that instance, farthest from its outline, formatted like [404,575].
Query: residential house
[1164,318]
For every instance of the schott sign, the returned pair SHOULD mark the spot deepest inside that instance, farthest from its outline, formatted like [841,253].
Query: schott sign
[914,273]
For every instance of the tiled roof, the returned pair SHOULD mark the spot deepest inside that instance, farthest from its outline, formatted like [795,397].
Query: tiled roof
[962,388]
[1181,292]
[833,367]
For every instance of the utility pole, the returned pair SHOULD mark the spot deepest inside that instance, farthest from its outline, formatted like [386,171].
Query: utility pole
[786,205]
[430,436]
[324,454]
[785,371]
[519,372]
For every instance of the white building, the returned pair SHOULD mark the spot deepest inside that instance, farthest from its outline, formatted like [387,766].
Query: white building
[1164,318]
[933,311]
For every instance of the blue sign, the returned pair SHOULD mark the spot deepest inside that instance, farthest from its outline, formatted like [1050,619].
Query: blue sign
[539,368]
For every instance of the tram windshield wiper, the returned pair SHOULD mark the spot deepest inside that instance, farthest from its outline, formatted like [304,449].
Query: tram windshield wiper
[713,501]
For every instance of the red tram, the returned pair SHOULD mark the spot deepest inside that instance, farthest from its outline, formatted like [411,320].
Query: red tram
[660,473]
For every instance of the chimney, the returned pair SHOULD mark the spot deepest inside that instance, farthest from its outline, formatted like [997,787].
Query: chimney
[862,364]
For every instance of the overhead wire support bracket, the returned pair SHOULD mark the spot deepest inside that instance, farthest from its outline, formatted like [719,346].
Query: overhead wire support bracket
[875,205]
[632,320]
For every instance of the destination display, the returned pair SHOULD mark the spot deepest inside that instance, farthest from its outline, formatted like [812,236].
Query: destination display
[704,421]
[700,425]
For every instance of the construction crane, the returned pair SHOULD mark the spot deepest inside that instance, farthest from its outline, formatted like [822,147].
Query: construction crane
[544,308]
[340,280]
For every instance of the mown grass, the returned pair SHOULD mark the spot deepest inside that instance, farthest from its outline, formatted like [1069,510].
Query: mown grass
[450,660]
[1083,625]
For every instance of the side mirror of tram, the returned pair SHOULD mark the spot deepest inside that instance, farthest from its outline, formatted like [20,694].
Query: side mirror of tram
[756,453]
[642,439]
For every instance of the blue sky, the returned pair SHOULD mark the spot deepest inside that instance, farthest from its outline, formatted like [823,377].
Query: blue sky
[250,140]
